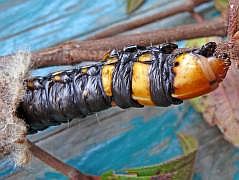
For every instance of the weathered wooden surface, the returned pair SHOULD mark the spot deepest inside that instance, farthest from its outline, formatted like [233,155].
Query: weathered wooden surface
[38,24]
[134,138]
[115,138]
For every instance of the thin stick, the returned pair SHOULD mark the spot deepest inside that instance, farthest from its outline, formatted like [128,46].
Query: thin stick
[75,52]
[233,31]
[233,21]
[58,165]
[186,7]
[197,17]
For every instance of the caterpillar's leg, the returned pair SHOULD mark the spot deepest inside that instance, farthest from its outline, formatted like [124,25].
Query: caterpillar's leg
[133,48]
[207,50]
[168,48]
[111,54]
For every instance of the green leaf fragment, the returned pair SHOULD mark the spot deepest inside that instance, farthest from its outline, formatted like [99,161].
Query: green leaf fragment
[197,104]
[132,5]
[177,169]
[188,143]
[199,42]
[221,5]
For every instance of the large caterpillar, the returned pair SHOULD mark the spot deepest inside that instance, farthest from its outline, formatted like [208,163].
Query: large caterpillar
[133,77]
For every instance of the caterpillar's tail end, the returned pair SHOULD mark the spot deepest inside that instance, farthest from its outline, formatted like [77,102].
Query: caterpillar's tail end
[13,130]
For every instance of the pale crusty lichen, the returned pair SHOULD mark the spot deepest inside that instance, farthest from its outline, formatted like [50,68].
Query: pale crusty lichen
[13,130]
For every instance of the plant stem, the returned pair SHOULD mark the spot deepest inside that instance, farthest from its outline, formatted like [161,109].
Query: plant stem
[186,7]
[93,50]
[197,16]
[233,31]
[233,18]
[58,165]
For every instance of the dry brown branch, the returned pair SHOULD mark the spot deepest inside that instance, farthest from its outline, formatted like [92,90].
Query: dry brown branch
[233,31]
[186,7]
[58,165]
[197,16]
[233,18]
[75,52]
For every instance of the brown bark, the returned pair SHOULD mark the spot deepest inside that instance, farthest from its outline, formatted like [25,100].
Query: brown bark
[75,52]
[233,31]
[233,18]
[186,7]
[58,165]
[197,17]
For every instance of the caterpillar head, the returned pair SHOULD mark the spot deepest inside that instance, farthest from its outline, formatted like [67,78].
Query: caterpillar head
[199,72]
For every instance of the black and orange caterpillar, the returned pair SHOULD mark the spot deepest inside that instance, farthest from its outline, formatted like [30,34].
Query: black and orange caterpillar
[133,77]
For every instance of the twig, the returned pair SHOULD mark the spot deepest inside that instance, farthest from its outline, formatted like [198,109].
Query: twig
[186,7]
[233,18]
[75,52]
[197,16]
[233,31]
[58,165]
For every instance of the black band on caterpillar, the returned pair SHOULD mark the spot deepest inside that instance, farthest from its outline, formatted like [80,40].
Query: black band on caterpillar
[161,77]
[122,78]
[56,102]
[93,94]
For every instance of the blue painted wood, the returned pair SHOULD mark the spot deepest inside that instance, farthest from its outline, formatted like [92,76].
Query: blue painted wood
[113,138]
[149,140]
[42,23]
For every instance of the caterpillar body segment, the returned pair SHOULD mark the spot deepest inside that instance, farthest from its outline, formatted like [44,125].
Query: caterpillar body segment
[134,77]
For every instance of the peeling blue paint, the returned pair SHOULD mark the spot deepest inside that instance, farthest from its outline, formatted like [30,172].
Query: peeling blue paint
[149,141]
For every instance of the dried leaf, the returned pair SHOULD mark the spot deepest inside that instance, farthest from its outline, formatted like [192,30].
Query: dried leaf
[132,5]
[221,107]
[179,168]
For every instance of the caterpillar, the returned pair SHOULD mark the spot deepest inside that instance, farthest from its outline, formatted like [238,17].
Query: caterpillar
[133,77]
